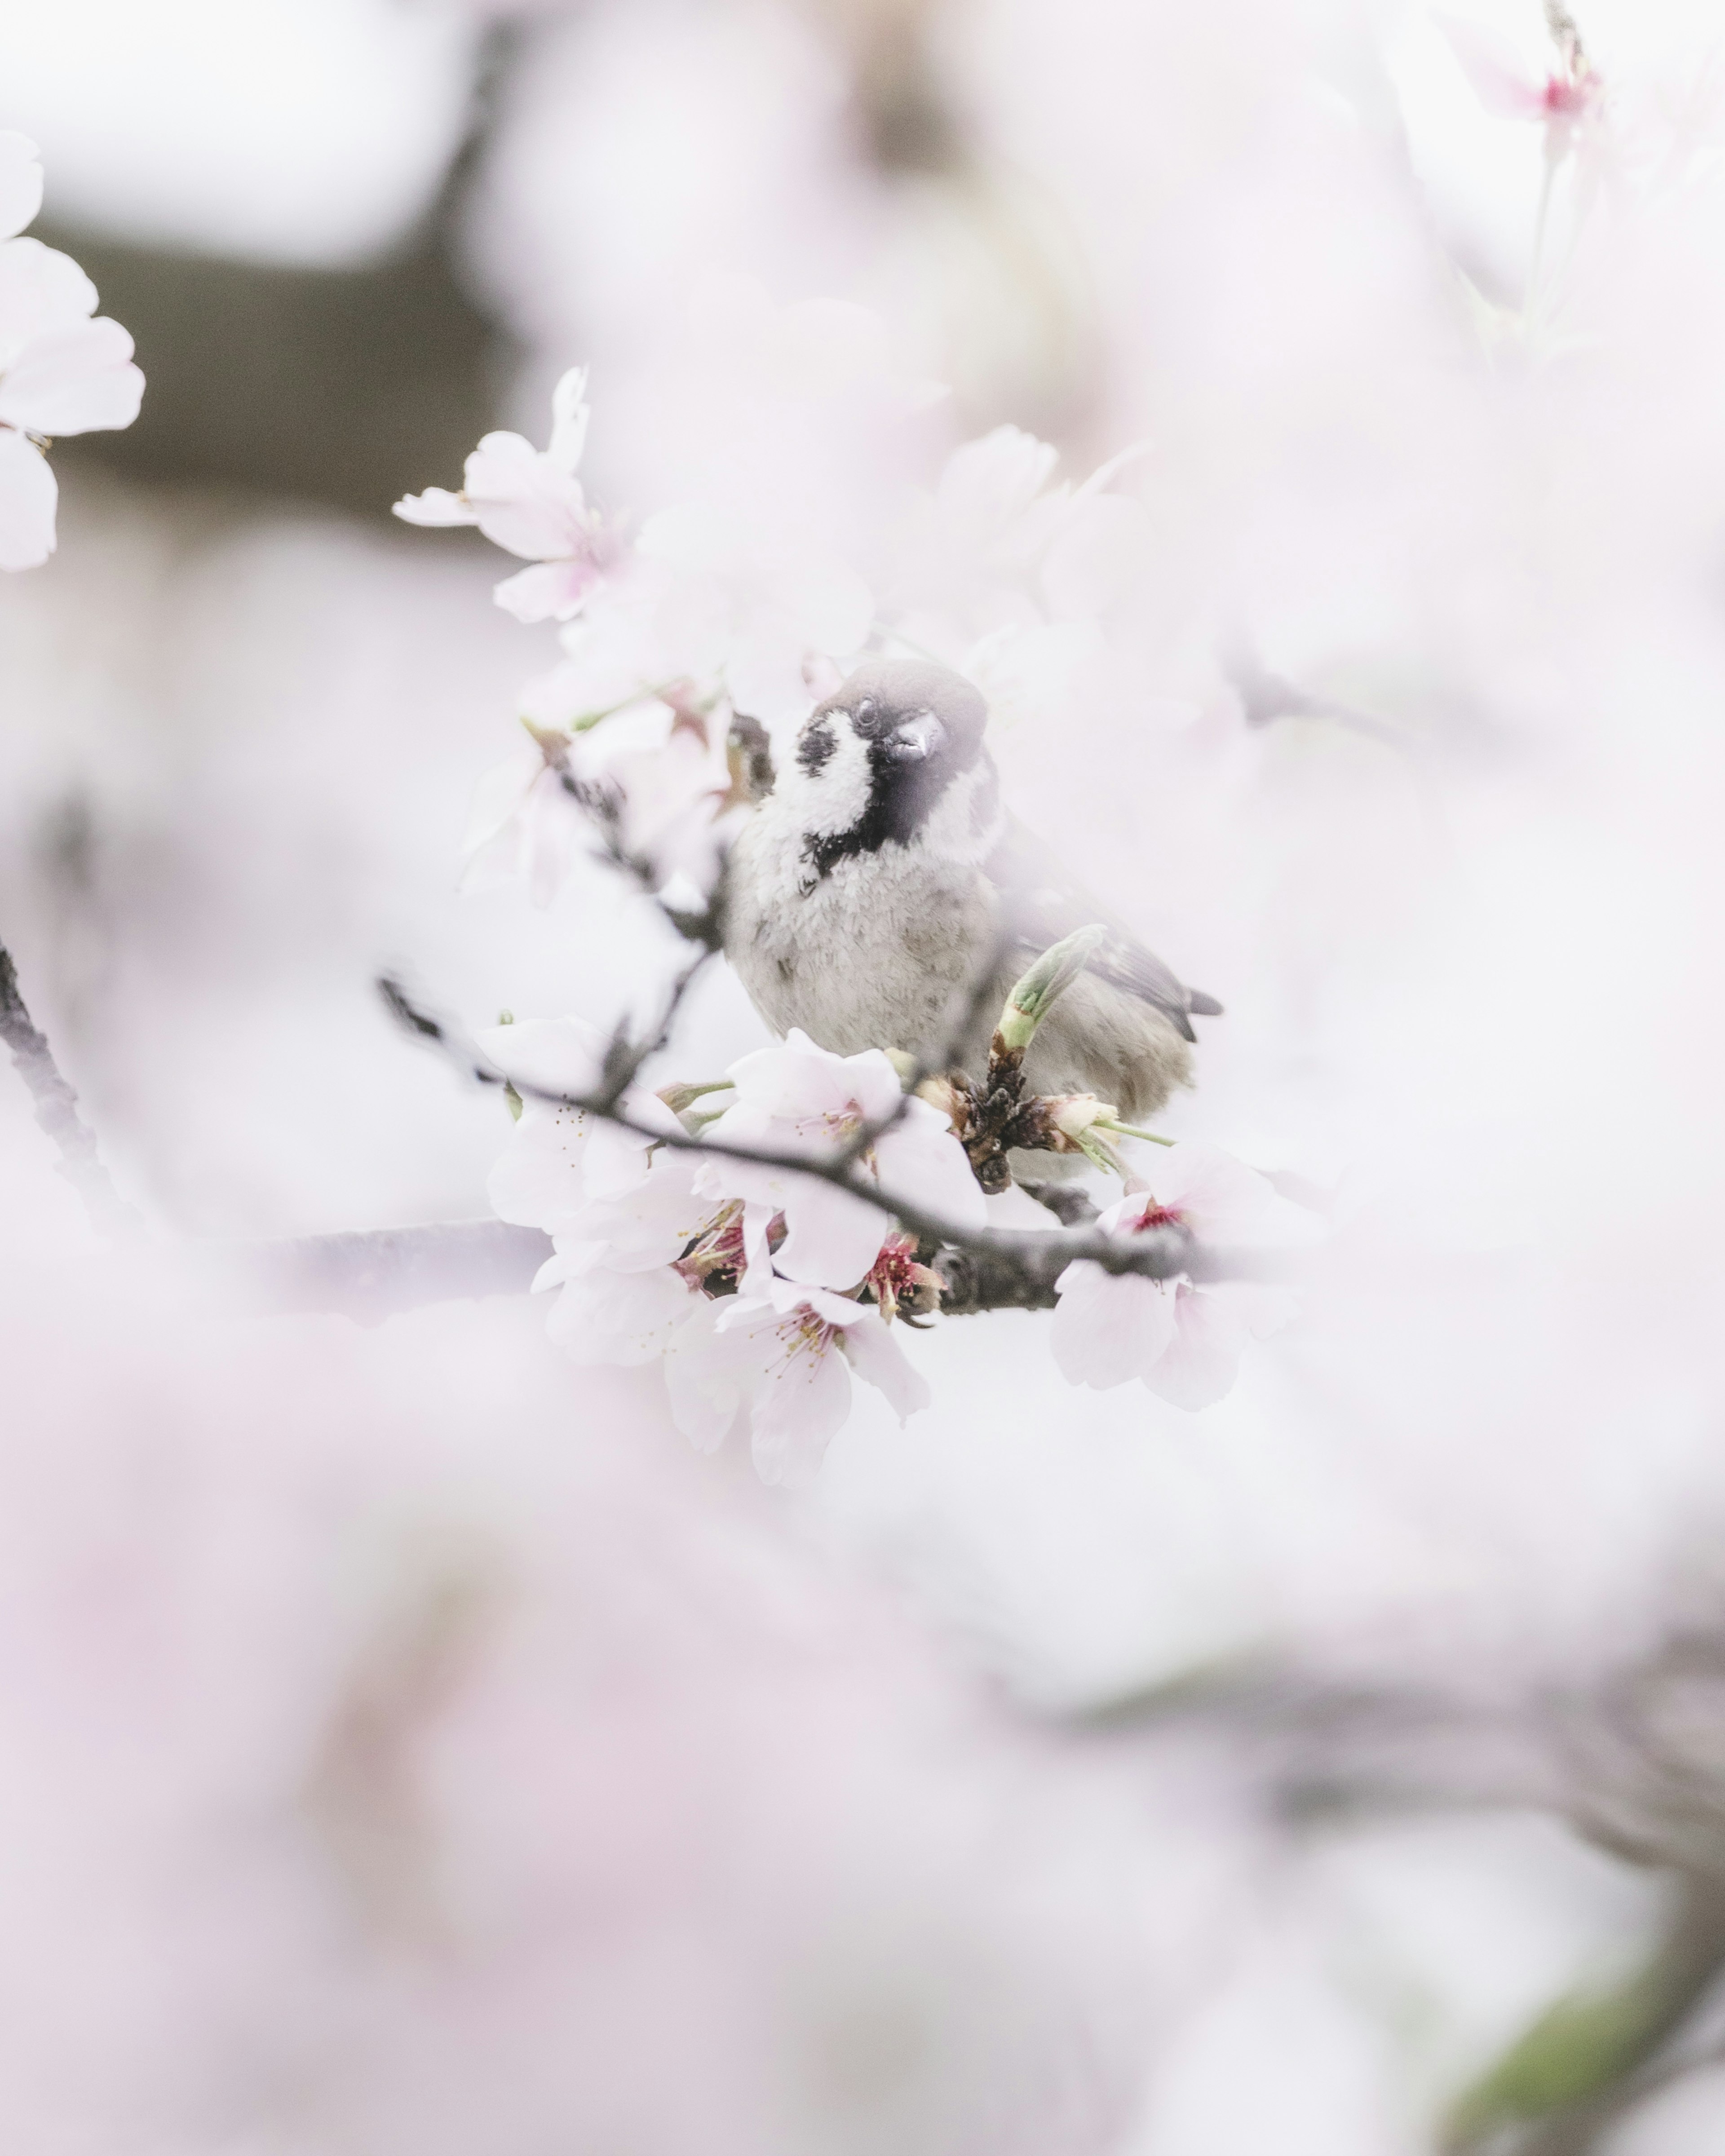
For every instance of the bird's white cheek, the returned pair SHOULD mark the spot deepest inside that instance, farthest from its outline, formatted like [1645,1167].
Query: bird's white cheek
[833,797]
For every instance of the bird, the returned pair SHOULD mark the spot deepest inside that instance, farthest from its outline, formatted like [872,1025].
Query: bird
[882,896]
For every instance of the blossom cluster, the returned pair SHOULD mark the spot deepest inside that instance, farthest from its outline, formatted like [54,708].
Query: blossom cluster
[694,1239]
[756,1285]
[61,372]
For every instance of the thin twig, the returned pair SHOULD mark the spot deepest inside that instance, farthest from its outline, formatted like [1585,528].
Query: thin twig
[56,1106]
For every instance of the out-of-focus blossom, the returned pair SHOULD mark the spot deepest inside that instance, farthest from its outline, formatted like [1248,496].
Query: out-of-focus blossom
[756,610]
[524,823]
[789,1351]
[1183,1341]
[1509,84]
[653,774]
[995,549]
[804,1100]
[529,501]
[61,372]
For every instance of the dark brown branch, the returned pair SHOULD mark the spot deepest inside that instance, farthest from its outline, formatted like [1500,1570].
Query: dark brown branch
[56,1107]
[1039,1256]
[1070,1202]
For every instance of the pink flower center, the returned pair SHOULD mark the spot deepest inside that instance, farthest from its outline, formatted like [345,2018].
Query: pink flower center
[1566,97]
[717,1249]
[896,1269]
[1160,1216]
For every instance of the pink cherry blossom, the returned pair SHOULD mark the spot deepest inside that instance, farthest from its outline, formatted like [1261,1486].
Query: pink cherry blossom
[1182,1341]
[530,502]
[802,1100]
[662,766]
[61,372]
[788,1352]
[1509,85]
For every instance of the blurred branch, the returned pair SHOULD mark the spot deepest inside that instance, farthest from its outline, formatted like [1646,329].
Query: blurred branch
[1632,1762]
[373,1274]
[1587,2063]
[1265,696]
[56,1106]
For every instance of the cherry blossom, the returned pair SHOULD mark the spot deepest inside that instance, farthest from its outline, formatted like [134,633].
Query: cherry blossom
[657,767]
[1509,85]
[563,1164]
[529,501]
[61,372]
[802,1100]
[997,552]
[1182,1341]
[762,614]
[786,1352]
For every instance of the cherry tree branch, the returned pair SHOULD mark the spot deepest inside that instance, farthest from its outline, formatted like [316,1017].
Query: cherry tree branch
[1028,1261]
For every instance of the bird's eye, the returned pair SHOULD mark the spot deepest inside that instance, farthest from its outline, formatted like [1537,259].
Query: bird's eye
[865,719]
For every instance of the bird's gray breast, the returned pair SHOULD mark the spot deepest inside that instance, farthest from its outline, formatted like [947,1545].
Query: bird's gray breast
[870,955]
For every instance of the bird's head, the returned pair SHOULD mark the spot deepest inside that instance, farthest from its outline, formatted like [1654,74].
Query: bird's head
[876,760]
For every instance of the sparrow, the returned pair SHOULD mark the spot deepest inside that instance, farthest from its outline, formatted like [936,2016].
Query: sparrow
[881,895]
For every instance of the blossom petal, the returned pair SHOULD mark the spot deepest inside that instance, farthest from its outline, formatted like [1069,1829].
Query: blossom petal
[28,498]
[831,1239]
[1109,1327]
[878,1360]
[20,181]
[708,1379]
[921,1158]
[569,415]
[988,483]
[558,1054]
[798,1412]
[1500,76]
[73,380]
[548,590]
[437,506]
[502,792]
[536,1181]
[1202,1360]
[522,502]
[1220,1198]
[40,289]
[627,1318]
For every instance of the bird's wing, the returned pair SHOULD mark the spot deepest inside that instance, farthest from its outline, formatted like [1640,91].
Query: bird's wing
[1040,902]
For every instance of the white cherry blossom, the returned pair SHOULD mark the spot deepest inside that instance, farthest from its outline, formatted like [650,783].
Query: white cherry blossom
[530,502]
[755,613]
[803,1100]
[786,1352]
[997,551]
[660,764]
[61,372]
[562,1163]
[1182,1341]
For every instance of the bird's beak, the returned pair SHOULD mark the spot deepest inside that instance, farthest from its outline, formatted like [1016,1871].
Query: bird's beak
[916,739]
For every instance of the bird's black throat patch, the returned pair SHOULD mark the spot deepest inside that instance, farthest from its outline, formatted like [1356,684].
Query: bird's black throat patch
[901,799]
